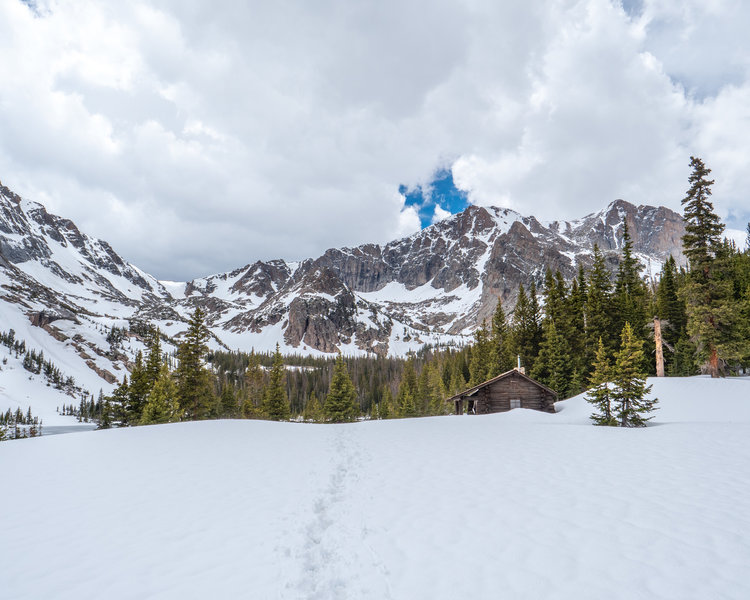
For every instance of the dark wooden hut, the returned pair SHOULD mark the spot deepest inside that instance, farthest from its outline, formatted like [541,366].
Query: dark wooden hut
[513,389]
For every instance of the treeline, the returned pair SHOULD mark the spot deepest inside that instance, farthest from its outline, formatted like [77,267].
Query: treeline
[34,362]
[16,425]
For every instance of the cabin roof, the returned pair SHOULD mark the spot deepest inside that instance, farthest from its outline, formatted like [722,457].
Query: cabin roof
[473,390]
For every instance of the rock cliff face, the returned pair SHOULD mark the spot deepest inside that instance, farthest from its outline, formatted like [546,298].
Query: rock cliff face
[434,286]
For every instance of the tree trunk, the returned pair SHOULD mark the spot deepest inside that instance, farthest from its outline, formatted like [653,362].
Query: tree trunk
[659,350]
[713,362]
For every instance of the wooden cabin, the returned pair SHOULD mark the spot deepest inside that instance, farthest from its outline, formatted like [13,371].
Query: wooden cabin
[513,389]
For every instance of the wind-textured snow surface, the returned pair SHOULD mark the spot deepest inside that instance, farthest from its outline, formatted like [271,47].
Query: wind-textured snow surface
[514,505]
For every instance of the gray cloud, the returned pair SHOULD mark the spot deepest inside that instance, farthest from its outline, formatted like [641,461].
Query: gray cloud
[199,136]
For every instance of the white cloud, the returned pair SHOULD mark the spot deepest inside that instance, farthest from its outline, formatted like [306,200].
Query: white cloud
[198,136]
[440,214]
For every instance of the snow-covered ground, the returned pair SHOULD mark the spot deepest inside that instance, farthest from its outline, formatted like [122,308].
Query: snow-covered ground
[514,505]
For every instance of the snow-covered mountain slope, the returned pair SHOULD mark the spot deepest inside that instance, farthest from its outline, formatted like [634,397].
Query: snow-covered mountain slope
[516,505]
[433,287]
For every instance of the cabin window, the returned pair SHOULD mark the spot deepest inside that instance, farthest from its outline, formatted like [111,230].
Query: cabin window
[515,403]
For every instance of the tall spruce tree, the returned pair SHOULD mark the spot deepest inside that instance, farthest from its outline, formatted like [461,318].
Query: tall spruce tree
[502,353]
[138,390]
[703,228]
[552,367]
[340,404]
[194,381]
[630,390]
[526,337]
[707,292]
[481,356]
[630,295]
[276,403]
[599,305]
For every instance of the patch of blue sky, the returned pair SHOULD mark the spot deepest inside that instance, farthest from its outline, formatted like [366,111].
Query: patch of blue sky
[441,192]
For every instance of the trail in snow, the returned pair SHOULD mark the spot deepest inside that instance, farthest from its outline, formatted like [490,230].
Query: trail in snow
[333,547]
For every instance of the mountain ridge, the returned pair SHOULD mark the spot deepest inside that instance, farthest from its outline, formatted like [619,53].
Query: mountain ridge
[434,286]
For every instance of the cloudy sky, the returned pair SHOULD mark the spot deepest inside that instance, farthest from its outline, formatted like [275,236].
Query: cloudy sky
[198,136]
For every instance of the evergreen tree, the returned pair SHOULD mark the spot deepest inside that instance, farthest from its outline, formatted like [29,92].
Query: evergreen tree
[276,403]
[703,228]
[340,406]
[194,382]
[599,304]
[436,393]
[313,411]
[154,359]
[670,308]
[501,359]
[119,400]
[683,363]
[405,400]
[457,381]
[252,404]
[385,408]
[575,330]
[138,390]
[481,356]
[228,401]
[525,335]
[630,296]
[552,367]
[600,392]
[162,405]
[630,389]
[554,307]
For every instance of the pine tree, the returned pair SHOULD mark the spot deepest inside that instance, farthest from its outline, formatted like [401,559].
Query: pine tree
[340,404]
[526,336]
[406,404]
[703,228]
[407,390]
[154,359]
[599,304]
[119,400]
[194,382]
[670,309]
[457,381]
[630,296]
[385,408]
[313,411]
[138,390]
[228,401]
[501,359]
[683,363]
[576,321]
[552,367]
[276,403]
[435,392]
[600,392]
[481,356]
[252,404]
[630,389]
[162,405]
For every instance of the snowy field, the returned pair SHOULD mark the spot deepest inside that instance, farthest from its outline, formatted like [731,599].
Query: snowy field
[515,505]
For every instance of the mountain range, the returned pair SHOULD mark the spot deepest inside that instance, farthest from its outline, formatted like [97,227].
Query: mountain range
[65,290]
